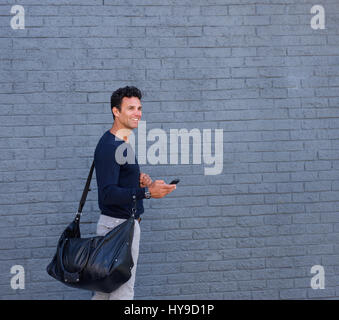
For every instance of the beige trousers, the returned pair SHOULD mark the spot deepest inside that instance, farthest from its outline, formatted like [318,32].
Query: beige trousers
[125,291]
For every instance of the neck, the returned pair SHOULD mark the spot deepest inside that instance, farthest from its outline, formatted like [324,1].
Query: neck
[120,132]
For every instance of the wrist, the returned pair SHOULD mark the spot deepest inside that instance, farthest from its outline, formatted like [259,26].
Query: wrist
[147,193]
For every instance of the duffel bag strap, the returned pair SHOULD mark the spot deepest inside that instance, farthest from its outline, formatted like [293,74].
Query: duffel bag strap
[85,192]
[134,209]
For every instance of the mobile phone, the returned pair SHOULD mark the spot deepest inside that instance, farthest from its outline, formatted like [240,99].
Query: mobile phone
[175,181]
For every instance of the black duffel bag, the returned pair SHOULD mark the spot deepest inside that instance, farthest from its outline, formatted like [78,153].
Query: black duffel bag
[100,263]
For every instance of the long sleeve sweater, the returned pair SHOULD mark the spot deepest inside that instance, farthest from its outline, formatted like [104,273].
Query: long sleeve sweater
[117,183]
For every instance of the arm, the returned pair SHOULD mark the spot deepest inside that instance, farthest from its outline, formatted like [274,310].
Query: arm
[107,172]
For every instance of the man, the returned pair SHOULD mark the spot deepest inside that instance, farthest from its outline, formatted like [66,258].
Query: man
[119,182]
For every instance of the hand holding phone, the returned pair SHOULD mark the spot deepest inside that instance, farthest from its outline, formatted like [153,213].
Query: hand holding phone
[159,189]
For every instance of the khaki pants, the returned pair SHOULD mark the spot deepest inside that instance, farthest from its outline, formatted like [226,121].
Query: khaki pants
[125,291]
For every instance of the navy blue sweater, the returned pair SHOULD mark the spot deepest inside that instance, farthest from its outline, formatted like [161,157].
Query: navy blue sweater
[117,183]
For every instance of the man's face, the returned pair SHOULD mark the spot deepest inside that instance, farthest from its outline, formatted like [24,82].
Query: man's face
[130,114]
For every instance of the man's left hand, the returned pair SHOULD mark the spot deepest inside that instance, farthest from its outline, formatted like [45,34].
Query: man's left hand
[145,180]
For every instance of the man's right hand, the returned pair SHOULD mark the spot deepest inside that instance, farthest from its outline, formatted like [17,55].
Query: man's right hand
[159,188]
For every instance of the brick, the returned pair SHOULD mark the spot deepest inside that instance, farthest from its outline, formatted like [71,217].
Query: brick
[212,10]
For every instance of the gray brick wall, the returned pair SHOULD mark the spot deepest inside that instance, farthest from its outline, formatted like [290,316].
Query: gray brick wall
[255,69]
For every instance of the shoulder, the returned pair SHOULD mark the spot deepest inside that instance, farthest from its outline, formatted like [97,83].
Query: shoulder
[109,139]
[107,145]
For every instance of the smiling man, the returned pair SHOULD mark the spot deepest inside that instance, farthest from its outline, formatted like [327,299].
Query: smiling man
[118,183]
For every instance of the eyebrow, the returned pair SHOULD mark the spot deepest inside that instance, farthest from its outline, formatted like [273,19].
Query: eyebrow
[133,106]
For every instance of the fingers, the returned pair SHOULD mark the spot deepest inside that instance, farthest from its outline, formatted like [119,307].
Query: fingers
[145,180]
[160,189]
[168,187]
[169,190]
[142,176]
[165,185]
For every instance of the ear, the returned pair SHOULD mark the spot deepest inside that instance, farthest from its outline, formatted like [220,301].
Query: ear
[116,112]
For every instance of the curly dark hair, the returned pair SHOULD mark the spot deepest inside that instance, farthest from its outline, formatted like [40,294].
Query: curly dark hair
[117,96]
